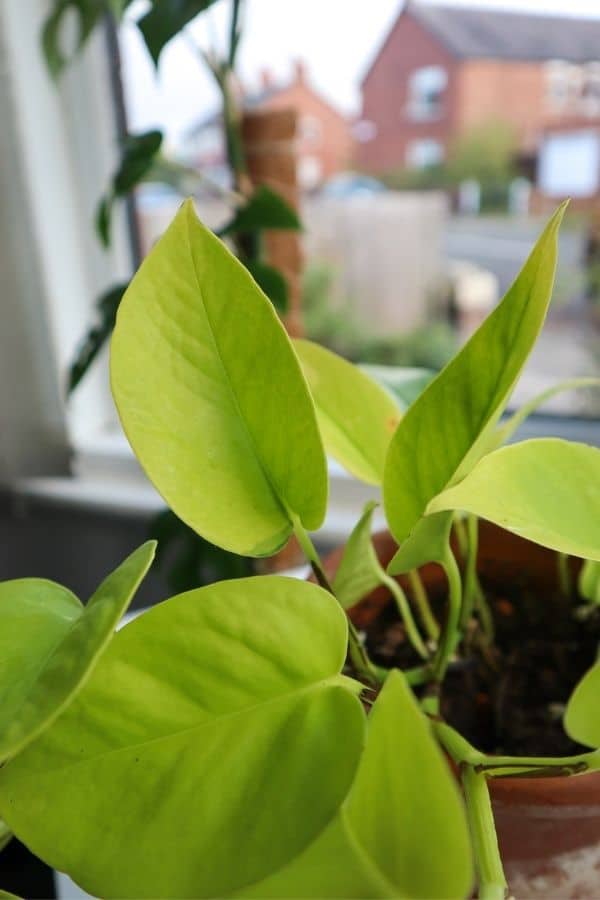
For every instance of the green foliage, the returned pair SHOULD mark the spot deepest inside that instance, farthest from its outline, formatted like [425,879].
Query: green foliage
[166,19]
[203,409]
[357,417]
[6,836]
[402,831]
[88,12]
[546,490]
[188,560]
[582,719]
[98,334]
[589,581]
[195,754]
[265,209]
[446,429]
[359,570]
[272,282]
[138,155]
[50,643]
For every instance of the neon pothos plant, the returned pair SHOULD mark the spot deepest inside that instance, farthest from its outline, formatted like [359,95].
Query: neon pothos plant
[217,745]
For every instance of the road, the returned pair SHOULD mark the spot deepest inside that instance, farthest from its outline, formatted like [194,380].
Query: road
[502,245]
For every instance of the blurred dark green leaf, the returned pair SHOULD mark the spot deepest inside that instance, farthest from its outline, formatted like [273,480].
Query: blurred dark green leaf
[188,559]
[96,337]
[166,19]
[138,155]
[271,281]
[264,210]
[89,12]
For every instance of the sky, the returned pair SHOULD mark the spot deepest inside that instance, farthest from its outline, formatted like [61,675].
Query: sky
[337,39]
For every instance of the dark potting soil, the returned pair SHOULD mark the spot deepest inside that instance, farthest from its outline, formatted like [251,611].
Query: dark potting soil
[509,700]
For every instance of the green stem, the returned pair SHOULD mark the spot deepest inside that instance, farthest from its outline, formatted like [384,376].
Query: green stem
[564,575]
[488,865]
[461,535]
[234,32]
[470,585]
[359,657]
[422,603]
[531,766]
[412,632]
[451,633]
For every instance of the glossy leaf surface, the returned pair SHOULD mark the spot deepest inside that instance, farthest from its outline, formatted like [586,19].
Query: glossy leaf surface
[49,643]
[5,835]
[447,428]
[212,397]
[356,416]
[402,831]
[359,571]
[205,750]
[546,490]
[582,717]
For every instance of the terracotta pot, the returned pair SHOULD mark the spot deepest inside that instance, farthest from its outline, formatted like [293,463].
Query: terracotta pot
[548,828]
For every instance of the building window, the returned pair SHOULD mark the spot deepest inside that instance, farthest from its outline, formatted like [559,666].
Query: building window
[310,129]
[591,89]
[426,92]
[424,153]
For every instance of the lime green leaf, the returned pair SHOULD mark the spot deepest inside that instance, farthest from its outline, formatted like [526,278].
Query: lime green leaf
[506,431]
[582,717]
[49,644]
[6,835]
[166,19]
[546,490]
[359,571]
[427,543]
[404,383]
[401,833]
[212,397]
[589,581]
[356,416]
[4,895]
[204,752]
[266,209]
[446,429]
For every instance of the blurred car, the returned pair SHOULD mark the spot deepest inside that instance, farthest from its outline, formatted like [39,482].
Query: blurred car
[346,185]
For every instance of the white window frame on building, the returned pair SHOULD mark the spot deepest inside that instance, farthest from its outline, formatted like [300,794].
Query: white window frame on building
[426,88]
[424,153]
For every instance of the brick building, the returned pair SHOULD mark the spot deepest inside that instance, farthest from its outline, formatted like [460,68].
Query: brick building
[444,70]
[325,140]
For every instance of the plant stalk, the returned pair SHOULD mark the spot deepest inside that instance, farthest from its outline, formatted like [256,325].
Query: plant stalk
[412,632]
[451,632]
[422,603]
[488,865]
[564,575]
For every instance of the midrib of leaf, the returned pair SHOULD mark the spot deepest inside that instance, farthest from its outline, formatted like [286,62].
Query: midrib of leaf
[228,381]
[332,681]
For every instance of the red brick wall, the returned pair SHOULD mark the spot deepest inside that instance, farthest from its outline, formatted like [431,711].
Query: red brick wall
[499,90]
[409,46]
[333,143]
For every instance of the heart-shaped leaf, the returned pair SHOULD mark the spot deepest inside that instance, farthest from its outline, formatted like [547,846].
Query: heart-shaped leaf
[165,19]
[546,490]
[445,431]
[266,209]
[212,397]
[49,644]
[582,716]
[356,416]
[402,831]
[215,739]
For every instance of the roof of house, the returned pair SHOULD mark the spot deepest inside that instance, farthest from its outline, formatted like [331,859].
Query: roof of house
[470,32]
